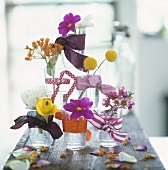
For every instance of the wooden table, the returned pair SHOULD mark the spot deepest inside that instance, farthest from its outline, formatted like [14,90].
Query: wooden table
[83,160]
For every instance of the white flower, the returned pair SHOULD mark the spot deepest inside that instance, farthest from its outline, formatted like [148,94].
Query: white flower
[124,157]
[30,97]
[86,22]
[18,165]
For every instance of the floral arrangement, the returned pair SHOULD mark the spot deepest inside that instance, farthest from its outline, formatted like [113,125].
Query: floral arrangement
[43,49]
[40,112]
[70,23]
[80,108]
[118,99]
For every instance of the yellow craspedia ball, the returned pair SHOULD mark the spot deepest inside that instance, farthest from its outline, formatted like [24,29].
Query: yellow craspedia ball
[90,63]
[111,55]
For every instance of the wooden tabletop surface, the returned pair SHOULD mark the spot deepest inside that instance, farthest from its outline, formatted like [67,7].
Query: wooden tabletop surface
[83,160]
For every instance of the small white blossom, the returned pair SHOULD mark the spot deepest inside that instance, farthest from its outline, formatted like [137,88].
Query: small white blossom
[86,22]
[30,97]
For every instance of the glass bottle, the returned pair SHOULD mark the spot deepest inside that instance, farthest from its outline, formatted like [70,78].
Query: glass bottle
[125,64]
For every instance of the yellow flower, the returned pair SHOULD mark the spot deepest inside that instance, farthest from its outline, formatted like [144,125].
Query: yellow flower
[111,55]
[90,63]
[45,107]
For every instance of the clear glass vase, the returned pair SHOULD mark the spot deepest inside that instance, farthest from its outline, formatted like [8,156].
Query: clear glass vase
[75,134]
[39,137]
[104,137]
[105,140]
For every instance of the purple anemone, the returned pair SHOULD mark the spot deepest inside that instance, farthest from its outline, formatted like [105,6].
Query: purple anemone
[80,108]
[68,24]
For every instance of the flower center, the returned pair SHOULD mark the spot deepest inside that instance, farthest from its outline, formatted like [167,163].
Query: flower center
[123,103]
[78,108]
[69,25]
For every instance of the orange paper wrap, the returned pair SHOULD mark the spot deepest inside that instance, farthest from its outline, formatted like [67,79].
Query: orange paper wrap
[74,126]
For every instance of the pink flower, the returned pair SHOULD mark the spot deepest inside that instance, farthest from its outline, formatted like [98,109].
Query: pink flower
[68,24]
[122,92]
[130,105]
[115,108]
[80,108]
[113,95]
[106,102]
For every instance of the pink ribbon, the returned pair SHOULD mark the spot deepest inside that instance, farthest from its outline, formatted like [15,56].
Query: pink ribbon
[93,81]
[57,81]
[61,79]
[112,125]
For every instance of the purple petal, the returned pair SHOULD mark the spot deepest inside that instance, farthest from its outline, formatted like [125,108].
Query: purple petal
[140,148]
[76,114]
[76,18]
[75,102]
[86,103]
[69,107]
[27,148]
[63,30]
[129,139]
[62,24]
[88,114]
[43,163]
[116,165]
[117,151]
[68,18]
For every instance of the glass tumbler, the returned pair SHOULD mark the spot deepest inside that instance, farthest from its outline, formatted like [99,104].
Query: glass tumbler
[75,134]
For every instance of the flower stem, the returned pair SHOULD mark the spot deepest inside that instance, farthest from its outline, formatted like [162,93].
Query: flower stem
[81,94]
[40,131]
[99,66]
[83,91]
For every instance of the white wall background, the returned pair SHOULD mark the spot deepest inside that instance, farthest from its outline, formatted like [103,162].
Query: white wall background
[151,72]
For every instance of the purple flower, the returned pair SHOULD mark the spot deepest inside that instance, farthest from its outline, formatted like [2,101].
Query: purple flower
[80,108]
[68,24]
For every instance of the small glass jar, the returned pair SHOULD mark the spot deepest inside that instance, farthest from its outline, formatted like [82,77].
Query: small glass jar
[75,134]
[104,137]
[37,136]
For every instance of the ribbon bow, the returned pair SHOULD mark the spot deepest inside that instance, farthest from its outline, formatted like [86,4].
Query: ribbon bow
[90,81]
[51,126]
[70,43]
[112,125]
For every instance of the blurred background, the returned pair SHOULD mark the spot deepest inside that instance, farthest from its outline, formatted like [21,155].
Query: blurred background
[146,23]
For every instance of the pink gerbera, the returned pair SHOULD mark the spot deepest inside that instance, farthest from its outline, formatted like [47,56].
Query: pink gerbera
[68,24]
